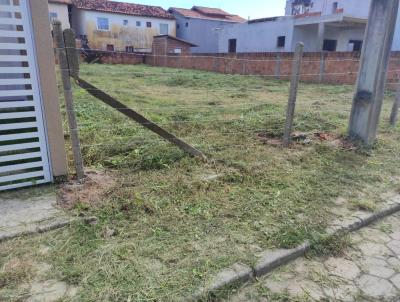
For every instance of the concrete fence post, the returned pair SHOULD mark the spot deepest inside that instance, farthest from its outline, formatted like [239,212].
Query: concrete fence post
[395,108]
[69,102]
[368,98]
[322,67]
[296,67]
[278,66]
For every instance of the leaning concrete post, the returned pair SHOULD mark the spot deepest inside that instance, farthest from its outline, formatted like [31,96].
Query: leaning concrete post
[395,109]
[293,93]
[69,102]
[368,98]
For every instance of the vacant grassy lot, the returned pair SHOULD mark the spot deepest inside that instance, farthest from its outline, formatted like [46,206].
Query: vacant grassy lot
[172,221]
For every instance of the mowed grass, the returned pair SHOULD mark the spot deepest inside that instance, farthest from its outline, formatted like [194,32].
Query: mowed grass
[176,220]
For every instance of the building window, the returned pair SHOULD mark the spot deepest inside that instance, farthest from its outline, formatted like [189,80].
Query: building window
[187,24]
[138,23]
[163,29]
[125,23]
[329,45]
[110,47]
[53,16]
[102,24]
[178,26]
[281,41]
[232,45]
[178,50]
[129,49]
[148,24]
[334,7]
[355,45]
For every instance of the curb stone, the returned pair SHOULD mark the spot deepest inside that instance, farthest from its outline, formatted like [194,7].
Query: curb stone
[273,259]
[43,229]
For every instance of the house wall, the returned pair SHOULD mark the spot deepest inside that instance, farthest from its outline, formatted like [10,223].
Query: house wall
[354,8]
[204,33]
[257,37]
[49,91]
[163,46]
[84,22]
[62,13]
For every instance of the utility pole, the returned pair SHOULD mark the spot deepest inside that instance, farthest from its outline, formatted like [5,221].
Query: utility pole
[368,98]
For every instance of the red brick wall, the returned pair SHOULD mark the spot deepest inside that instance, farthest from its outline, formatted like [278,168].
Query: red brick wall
[106,57]
[338,67]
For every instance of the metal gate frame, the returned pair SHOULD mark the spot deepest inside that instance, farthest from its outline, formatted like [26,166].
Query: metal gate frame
[19,166]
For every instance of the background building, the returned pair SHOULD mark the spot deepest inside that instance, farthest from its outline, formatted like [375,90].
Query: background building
[118,26]
[323,25]
[60,10]
[201,26]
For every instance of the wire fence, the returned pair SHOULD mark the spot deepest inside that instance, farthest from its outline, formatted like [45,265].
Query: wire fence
[215,113]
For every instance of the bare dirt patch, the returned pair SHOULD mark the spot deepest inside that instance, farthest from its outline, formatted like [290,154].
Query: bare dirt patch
[90,192]
[301,138]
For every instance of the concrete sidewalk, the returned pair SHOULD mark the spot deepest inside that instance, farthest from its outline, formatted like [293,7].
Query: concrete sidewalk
[368,270]
[29,211]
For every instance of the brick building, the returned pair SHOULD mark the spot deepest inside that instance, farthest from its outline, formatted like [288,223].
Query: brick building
[168,45]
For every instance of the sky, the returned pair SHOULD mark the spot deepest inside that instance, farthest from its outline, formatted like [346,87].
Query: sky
[251,8]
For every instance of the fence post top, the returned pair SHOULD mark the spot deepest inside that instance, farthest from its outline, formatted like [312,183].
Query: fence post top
[56,22]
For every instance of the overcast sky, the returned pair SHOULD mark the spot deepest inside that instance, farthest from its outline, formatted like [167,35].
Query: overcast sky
[251,8]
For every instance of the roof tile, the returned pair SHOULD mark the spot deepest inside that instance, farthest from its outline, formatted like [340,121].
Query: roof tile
[207,13]
[123,8]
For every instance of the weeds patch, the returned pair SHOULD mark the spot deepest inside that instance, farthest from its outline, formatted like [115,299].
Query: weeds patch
[162,230]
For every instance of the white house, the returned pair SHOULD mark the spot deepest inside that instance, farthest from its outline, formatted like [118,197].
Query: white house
[60,10]
[119,26]
[199,25]
[321,24]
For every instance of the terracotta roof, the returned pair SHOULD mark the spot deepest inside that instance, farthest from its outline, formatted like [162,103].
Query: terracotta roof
[208,13]
[176,39]
[123,8]
[61,1]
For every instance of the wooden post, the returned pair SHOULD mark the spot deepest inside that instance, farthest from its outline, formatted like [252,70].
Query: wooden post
[395,109]
[69,103]
[293,93]
[368,98]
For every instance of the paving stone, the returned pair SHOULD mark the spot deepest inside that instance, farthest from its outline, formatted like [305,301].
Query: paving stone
[279,283]
[342,268]
[344,293]
[356,238]
[394,263]
[305,287]
[395,235]
[394,245]
[376,288]
[375,235]
[374,250]
[396,281]
[376,267]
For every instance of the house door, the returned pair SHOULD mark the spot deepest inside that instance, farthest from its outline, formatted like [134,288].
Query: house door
[24,159]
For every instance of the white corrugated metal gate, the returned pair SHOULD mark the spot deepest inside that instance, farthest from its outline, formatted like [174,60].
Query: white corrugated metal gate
[24,159]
